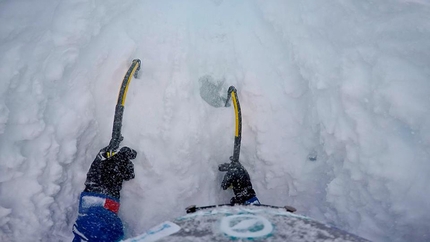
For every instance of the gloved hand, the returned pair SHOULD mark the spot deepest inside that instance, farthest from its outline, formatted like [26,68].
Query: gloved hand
[238,178]
[106,176]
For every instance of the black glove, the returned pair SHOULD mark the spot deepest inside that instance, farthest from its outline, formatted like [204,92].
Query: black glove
[238,178]
[106,175]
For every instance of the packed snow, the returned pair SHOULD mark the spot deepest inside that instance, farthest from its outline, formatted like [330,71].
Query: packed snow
[334,94]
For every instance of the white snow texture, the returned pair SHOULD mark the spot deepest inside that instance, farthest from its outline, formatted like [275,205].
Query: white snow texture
[346,81]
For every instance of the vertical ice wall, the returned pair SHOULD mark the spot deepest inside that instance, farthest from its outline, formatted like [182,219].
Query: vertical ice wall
[366,67]
[346,81]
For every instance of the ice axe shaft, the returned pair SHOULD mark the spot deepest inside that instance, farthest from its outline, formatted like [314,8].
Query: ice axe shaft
[119,108]
[232,93]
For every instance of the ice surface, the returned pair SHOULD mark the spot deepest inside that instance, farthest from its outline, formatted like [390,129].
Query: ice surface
[346,81]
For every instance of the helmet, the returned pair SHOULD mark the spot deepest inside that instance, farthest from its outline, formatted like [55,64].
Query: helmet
[245,223]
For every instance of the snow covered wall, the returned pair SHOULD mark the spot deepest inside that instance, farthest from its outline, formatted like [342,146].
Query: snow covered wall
[346,81]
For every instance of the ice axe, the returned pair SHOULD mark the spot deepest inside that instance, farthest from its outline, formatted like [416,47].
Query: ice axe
[119,109]
[212,91]
[232,93]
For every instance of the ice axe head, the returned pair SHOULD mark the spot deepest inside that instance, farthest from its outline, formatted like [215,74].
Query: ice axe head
[212,91]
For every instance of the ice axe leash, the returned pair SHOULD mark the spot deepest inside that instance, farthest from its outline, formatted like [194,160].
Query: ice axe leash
[119,108]
[232,93]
